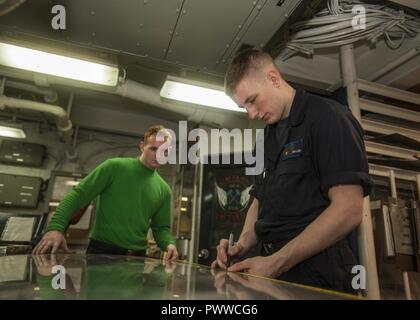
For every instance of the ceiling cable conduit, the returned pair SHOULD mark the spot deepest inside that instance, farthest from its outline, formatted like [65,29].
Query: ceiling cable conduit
[333,27]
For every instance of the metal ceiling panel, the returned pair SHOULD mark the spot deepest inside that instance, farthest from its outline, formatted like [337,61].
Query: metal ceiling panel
[132,26]
[268,18]
[195,33]
[32,17]
[206,29]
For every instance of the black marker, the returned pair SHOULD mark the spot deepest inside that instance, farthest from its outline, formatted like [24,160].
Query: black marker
[230,245]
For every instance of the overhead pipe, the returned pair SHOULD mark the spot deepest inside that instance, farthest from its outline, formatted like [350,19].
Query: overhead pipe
[64,124]
[50,95]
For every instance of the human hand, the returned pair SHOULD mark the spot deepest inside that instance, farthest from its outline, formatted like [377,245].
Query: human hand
[228,288]
[169,265]
[222,253]
[261,266]
[171,253]
[45,263]
[52,240]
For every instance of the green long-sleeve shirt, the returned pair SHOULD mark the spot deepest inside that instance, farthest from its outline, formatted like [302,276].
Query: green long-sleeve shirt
[131,199]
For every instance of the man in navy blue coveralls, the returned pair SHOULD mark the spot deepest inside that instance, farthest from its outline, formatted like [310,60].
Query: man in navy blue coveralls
[309,200]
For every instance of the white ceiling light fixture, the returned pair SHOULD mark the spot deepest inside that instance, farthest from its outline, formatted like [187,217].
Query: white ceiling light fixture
[198,93]
[57,65]
[12,130]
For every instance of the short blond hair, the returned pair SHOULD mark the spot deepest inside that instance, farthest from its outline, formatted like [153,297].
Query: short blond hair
[242,64]
[153,130]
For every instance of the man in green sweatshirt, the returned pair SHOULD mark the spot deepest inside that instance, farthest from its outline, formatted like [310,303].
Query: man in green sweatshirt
[132,198]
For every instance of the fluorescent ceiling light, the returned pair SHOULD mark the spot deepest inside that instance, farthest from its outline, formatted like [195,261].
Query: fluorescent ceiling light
[12,131]
[197,93]
[57,65]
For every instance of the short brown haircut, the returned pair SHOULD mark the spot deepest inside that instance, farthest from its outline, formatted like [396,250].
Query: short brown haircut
[153,130]
[241,65]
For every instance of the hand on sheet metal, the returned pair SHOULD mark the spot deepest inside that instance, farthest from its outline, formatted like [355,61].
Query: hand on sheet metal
[222,254]
[228,288]
[171,253]
[169,266]
[51,242]
[267,287]
[45,263]
[261,266]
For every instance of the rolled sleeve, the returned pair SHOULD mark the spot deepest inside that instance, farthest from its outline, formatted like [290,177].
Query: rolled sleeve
[343,178]
[255,191]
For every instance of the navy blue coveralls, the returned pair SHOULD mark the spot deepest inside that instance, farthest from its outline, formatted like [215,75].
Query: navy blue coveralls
[320,145]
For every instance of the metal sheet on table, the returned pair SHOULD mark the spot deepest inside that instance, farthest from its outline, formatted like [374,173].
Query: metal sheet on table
[122,277]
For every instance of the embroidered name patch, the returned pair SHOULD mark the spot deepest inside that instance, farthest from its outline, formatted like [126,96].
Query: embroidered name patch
[291,150]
